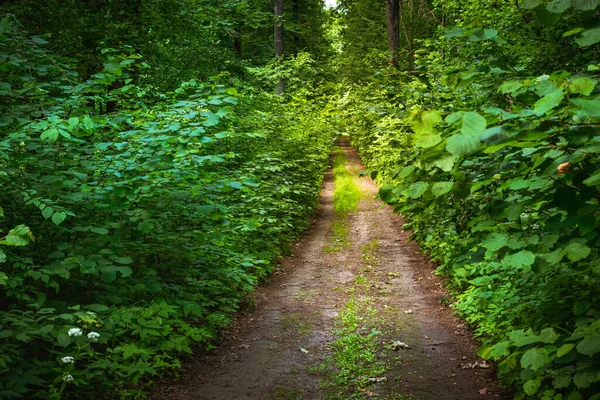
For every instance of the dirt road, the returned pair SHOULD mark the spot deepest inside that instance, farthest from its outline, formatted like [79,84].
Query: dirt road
[286,347]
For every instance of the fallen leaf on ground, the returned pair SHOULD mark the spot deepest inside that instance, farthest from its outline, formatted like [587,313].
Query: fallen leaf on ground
[378,380]
[302,349]
[397,345]
[367,393]
[484,391]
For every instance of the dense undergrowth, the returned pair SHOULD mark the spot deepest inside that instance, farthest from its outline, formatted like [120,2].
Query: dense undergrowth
[130,236]
[490,150]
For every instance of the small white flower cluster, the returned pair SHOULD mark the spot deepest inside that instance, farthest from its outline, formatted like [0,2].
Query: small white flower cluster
[93,336]
[75,332]
[68,360]
[68,378]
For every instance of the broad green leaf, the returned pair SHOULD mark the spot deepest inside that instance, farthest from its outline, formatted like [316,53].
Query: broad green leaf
[18,236]
[212,119]
[123,260]
[441,188]
[588,108]
[535,358]
[462,144]
[530,4]
[589,37]
[417,189]
[47,212]
[531,386]
[424,122]
[577,251]
[58,217]
[50,134]
[445,163]
[590,345]
[519,259]
[73,122]
[426,140]
[583,379]
[100,231]
[585,5]
[454,32]
[1,212]
[549,335]
[558,6]
[125,271]
[548,102]
[593,180]
[63,339]
[495,241]
[572,32]
[473,124]
[145,227]
[582,85]
[510,86]
[2,256]
[565,349]
[88,123]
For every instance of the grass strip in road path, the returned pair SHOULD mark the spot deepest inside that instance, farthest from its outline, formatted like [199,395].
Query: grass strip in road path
[346,196]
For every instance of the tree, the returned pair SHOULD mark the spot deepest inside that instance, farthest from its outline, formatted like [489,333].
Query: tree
[392,11]
[278,14]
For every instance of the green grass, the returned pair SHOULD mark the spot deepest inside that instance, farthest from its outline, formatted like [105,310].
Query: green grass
[346,196]
[346,193]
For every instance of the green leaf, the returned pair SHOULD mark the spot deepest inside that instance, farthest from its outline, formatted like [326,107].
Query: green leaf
[63,339]
[583,379]
[590,345]
[558,6]
[100,231]
[424,122]
[510,86]
[50,134]
[573,31]
[565,349]
[73,122]
[588,108]
[212,119]
[531,387]
[548,102]
[519,259]
[582,85]
[123,260]
[535,358]
[589,37]
[18,236]
[593,180]
[47,212]
[585,5]
[1,212]
[530,4]
[549,335]
[145,227]
[58,218]
[495,241]
[88,123]
[417,189]
[441,188]
[473,124]
[581,307]
[2,256]
[462,144]
[426,140]
[577,251]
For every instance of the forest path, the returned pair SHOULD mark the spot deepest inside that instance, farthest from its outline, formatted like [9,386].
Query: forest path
[378,280]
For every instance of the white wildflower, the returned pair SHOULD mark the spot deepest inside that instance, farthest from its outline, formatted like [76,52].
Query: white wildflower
[75,332]
[68,360]
[535,226]
[68,378]
[93,336]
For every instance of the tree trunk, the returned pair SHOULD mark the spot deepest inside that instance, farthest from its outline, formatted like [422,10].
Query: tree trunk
[278,13]
[392,11]
[408,39]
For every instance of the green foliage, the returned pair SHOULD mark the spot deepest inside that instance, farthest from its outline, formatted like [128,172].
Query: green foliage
[490,152]
[145,217]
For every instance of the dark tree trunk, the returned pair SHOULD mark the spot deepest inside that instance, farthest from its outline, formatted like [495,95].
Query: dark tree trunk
[392,11]
[237,42]
[278,13]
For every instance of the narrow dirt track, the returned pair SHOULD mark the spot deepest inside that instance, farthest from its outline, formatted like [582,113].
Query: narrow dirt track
[270,353]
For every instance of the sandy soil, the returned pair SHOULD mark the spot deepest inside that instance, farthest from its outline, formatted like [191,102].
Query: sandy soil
[270,353]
